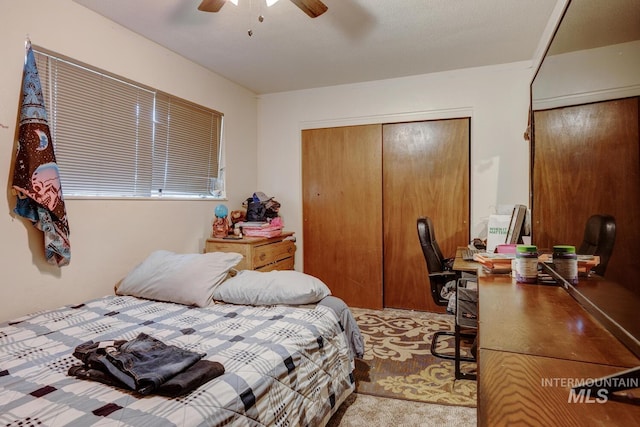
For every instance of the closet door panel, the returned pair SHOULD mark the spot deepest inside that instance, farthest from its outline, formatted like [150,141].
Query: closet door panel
[342,211]
[425,173]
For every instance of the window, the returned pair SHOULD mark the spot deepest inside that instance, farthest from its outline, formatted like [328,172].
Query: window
[117,138]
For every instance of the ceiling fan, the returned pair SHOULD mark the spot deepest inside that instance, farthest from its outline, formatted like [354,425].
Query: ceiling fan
[313,8]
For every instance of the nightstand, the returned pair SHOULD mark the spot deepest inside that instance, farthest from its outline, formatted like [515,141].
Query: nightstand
[258,253]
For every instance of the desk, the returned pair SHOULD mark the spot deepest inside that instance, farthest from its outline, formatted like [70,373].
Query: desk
[459,264]
[543,320]
[511,391]
[529,334]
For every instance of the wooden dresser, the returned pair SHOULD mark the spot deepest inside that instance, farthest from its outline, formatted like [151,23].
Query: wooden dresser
[536,342]
[258,253]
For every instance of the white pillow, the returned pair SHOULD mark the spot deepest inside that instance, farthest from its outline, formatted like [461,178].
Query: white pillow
[269,288]
[181,278]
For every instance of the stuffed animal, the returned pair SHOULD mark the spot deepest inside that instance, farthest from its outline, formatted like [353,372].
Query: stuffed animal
[238,216]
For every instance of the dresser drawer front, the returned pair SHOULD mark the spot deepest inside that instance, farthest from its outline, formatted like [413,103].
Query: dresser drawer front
[276,253]
[244,250]
[285,264]
[273,252]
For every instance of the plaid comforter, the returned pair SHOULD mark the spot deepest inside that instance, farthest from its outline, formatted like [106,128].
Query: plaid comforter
[283,365]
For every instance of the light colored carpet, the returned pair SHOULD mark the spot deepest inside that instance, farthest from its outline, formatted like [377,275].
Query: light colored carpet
[360,410]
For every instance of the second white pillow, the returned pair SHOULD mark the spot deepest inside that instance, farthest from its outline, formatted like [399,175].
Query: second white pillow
[270,288]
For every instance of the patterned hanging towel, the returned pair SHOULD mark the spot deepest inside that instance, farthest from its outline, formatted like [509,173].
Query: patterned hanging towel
[36,179]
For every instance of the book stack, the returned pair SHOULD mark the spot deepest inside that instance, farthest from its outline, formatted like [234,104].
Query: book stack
[495,262]
[585,262]
[501,262]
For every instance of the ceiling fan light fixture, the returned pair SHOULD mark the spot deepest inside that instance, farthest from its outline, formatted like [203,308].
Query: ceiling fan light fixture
[313,8]
[269,2]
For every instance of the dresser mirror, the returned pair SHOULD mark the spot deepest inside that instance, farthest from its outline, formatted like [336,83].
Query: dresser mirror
[592,61]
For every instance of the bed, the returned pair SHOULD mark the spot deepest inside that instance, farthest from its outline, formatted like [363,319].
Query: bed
[288,362]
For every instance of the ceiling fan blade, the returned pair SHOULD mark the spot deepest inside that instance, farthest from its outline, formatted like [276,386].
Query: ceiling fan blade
[313,8]
[211,5]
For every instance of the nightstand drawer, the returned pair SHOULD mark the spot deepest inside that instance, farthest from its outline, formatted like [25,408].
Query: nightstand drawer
[258,253]
[269,253]
[285,264]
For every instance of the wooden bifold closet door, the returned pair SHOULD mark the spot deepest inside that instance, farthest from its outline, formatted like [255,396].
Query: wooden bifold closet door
[425,173]
[342,215]
[364,188]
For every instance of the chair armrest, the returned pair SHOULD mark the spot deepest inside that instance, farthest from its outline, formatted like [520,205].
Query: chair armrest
[447,263]
[444,275]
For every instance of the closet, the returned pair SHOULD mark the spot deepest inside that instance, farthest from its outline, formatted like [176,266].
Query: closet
[364,188]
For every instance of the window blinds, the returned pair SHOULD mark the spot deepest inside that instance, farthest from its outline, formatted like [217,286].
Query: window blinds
[116,138]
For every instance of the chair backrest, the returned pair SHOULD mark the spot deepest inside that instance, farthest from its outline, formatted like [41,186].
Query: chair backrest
[599,238]
[430,249]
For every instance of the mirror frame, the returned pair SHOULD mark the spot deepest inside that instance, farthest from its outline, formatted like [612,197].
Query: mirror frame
[530,133]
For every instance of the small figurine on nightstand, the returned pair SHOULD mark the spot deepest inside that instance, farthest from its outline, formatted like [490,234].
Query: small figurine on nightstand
[220,223]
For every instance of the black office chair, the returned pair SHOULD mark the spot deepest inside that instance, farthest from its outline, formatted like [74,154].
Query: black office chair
[599,238]
[438,266]
[440,274]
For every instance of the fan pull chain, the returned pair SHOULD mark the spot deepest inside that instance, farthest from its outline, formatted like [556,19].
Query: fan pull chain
[260,16]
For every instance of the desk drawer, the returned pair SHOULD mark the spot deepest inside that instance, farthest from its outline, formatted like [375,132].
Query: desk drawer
[274,252]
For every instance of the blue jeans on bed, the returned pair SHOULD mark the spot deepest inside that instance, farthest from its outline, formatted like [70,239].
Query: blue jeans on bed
[145,363]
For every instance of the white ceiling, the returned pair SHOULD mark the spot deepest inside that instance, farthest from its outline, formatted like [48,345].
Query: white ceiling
[354,41]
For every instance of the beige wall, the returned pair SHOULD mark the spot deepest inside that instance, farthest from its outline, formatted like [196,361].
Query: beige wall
[107,237]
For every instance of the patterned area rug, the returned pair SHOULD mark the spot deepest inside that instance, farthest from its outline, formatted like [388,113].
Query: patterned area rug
[398,363]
